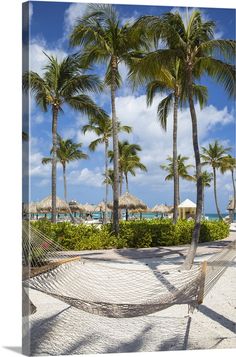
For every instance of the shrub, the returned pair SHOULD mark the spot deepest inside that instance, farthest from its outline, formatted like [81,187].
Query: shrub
[133,234]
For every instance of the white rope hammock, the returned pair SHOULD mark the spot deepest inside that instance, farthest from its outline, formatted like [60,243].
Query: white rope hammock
[114,290]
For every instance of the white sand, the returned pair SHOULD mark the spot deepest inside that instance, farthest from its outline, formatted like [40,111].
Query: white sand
[56,328]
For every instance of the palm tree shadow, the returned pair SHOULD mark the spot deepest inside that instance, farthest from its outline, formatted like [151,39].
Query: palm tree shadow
[222,320]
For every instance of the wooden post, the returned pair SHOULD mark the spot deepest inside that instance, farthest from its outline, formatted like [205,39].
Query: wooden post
[202,283]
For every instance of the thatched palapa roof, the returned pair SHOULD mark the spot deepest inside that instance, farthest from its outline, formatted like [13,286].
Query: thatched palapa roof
[88,207]
[46,205]
[76,207]
[129,201]
[101,207]
[161,209]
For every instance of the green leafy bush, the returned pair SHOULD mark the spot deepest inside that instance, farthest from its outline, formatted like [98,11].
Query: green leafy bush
[133,234]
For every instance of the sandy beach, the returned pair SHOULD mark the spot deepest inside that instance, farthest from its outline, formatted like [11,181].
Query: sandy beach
[58,329]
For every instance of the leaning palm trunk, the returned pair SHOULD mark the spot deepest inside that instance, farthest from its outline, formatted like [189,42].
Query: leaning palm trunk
[196,231]
[115,147]
[127,183]
[215,194]
[234,190]
[203,201]
[106,176]
[175,160]
[121,182]
[65,193]
[64,180]
[54,162]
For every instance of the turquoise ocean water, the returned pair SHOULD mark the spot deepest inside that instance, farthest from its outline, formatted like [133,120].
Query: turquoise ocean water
[147,215]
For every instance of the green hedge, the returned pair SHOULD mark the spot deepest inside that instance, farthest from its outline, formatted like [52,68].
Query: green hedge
[133,234]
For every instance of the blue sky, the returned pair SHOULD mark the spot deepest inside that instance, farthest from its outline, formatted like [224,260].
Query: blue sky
[50,25]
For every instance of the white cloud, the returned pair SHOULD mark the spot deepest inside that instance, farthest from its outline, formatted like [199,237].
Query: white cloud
[73,12]
[69,133]
[87,138]
[155,143]
[86,177]
[131,19]
[38,59]
[38,119]
[36,168]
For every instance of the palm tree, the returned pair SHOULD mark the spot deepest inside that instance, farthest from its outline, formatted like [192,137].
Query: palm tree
[168,79]
[67,151]
[229,164]
[207,177]
[214,156]
[105,40]
[182,171]
[62,83]
[128,161]
[200,54]
[103,129]
[110,178]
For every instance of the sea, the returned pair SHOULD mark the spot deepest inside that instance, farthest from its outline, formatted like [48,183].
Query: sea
[145,215]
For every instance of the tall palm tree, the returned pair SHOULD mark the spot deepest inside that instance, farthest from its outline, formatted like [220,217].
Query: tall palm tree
[62,83]
[229,164]
[128,161]
[207,177]
[200,54]
[182,171]
[105,40]
[170,80]
[67,151]
[214,156]
[103,129]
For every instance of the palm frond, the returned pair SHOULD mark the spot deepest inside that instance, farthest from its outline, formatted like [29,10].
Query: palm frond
[85,105]
[163,110]
[220,71]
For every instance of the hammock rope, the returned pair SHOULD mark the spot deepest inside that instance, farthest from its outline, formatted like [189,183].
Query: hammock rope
[114,289]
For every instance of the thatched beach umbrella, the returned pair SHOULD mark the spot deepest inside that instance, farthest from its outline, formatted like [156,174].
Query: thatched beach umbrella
[161,209]
[140,211]
[129,202]
[101,207]
[88,207]
[45,205]
[76,207]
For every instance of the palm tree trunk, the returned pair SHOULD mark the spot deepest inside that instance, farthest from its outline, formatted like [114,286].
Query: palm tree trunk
[106,176]
[196,231]
[234,190]
[64,180]
[54,161]
[175,158]
[215,194]
[73,218]
[121,182]
[178,191]
[126,181]
[203,201]
[114,69]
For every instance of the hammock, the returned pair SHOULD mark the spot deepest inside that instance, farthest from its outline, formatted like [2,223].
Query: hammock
[114,289]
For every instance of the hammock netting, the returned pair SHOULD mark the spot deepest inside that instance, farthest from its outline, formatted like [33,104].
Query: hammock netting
[114,289]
